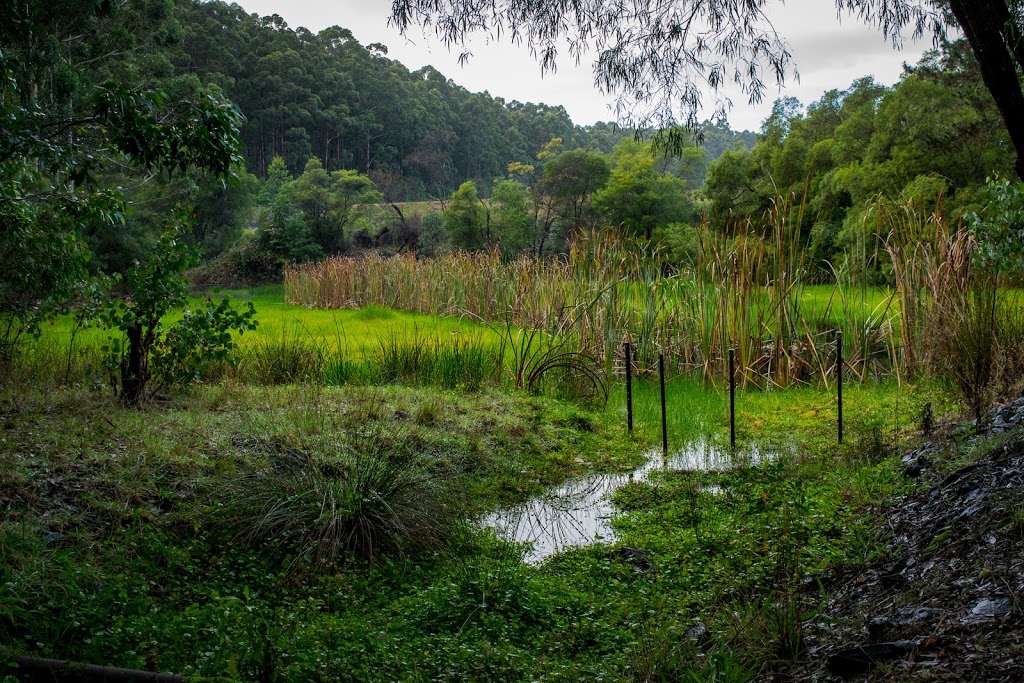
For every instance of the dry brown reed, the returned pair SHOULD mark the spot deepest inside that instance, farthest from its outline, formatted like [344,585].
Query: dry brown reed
[746,291]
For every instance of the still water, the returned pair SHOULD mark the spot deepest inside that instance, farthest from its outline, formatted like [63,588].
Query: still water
[579,512]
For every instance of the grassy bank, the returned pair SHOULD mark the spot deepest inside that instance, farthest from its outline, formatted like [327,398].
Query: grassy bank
[178,537]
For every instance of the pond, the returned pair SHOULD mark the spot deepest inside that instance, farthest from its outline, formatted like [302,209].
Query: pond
[579,512]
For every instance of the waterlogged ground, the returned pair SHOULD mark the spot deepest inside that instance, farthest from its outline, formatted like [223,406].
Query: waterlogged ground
[119,529]
[579,512]
[121,545]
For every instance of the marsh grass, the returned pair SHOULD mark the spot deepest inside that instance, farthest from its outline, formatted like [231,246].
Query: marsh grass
[747,290]
[367,497]
[290,358]
[469,362]
[956,319]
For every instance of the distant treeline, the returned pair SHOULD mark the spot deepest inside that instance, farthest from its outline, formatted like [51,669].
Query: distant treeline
[416,133]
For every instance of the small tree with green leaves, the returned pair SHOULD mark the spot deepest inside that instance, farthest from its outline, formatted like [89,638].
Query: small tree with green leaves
[146,349]
[433,237]
[511,219]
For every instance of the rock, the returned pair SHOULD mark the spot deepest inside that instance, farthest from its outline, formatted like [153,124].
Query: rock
[859,660]
[913,464]
[641,559]
[53,538]
[402,415]
[986,610]
[974,502]
[697,632]
[885,627]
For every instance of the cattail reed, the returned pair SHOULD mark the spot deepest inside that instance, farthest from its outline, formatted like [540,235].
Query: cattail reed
[746,290]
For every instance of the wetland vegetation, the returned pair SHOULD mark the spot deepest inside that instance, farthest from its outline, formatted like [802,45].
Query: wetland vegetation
[394,447]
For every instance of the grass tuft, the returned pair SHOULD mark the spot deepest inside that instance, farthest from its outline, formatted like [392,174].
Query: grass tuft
[372,497]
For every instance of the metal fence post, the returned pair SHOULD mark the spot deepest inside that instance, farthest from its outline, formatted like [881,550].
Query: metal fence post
[629,386]
[664,421]
[732,398]
[839,380]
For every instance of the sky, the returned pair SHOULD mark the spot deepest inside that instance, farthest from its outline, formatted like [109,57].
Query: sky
[828,51]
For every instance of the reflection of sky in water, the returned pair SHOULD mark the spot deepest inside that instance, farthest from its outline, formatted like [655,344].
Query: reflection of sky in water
[579,511]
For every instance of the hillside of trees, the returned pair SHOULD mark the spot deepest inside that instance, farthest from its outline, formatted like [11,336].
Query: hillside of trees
[335,140]
[416,133]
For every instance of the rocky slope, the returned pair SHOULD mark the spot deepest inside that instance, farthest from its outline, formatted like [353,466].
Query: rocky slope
[944,602]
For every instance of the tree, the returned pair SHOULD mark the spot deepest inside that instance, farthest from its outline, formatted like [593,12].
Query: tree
[75,100]
[571,178]
[638,199]
[464,218]
[328,203]
[57,130]
[189,347]
[511,220]
[657,55]
[433,238]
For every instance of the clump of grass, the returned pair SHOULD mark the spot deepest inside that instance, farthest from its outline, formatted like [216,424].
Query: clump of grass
[374,496]
[288,359]
[457,362]
[339,370]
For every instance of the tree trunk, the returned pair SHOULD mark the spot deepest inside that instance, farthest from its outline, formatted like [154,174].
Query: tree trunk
[134,368]
[989,29]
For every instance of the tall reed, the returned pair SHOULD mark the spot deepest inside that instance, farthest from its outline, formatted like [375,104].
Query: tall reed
[746,291]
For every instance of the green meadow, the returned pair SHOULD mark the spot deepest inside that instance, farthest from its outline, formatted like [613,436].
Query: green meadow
[313,513]
[350,332]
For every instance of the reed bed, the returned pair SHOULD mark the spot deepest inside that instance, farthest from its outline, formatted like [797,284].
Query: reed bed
[747,290]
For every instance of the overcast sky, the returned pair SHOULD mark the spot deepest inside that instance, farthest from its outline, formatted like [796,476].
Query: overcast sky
[829,53]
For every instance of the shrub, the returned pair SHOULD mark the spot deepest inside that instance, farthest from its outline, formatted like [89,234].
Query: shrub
[433,237]
[145,348]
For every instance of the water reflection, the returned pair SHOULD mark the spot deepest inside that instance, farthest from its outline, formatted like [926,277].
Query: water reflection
[579,511]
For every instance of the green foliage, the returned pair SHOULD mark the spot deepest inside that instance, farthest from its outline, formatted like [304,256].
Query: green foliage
[327,203]
[200,343]
[71,110]
[375,496]
[195,344]
[930,141]
[464,218]
[571,179]
[433,237]
[511,220]
[638,199]
[999,229]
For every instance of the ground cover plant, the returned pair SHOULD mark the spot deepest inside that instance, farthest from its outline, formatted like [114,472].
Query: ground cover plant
[307,532]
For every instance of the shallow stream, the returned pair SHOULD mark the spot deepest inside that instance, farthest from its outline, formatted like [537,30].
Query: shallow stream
[579,512]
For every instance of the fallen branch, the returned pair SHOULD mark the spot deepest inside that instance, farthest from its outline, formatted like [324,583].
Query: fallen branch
[29,668]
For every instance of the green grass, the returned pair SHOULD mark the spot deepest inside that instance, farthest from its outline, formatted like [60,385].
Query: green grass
[274,528]
[791,418]
[122,545]
[352,333]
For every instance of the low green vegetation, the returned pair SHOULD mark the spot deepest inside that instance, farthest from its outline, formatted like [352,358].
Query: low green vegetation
[307,533]
[298,483]
[268,525]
